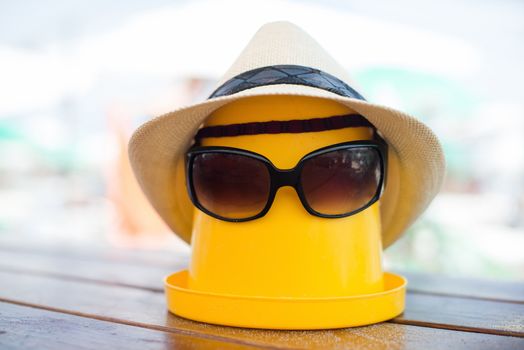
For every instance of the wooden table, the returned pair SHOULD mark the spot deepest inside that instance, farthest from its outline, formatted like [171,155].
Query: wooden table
[70,298]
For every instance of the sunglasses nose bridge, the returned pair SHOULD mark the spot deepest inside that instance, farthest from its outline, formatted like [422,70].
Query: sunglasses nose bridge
[286,178]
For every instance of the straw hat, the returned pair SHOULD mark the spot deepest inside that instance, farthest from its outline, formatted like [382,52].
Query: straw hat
[283,59]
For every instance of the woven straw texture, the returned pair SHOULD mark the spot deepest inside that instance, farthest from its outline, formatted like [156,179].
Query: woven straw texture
[157,148]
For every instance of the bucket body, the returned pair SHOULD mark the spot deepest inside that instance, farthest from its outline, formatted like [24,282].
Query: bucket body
[288,252]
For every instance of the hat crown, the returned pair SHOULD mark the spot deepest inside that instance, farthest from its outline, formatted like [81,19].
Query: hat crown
[283,42]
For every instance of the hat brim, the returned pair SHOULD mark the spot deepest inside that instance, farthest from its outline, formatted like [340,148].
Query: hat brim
[157,148]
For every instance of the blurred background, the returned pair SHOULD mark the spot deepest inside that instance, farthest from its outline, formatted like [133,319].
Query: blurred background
[77,77]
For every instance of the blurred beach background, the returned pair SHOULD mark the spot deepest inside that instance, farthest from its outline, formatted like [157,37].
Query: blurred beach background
[77,77]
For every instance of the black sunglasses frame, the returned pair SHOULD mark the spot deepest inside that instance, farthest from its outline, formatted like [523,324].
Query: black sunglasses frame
[287,177]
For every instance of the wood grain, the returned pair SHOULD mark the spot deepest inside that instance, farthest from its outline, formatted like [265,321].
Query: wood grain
[464,314]
[145,308]
[149,267]
[34,328]
[115,272]
[151,257]
[466,287]
[31,328]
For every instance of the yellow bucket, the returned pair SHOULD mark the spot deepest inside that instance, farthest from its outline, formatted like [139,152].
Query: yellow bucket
[288,269]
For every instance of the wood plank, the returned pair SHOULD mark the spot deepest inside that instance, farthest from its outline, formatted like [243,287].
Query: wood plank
[151,257]
[426,310]
[148,270]
[146,308]
[466,287]
[464,314]
[31,328]
[28,327]
[96,271]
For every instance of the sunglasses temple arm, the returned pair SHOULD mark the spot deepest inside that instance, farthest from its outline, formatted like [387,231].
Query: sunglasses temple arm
[384,152]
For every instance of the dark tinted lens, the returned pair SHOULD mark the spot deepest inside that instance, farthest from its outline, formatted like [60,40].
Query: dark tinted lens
[341,181]
[232,186]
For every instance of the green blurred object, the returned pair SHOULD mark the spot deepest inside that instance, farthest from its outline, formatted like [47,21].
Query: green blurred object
[62,159]
[8,131]
[414,88]
[436,100]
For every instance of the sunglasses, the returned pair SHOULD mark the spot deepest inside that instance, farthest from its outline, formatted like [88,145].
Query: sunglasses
[339,180]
